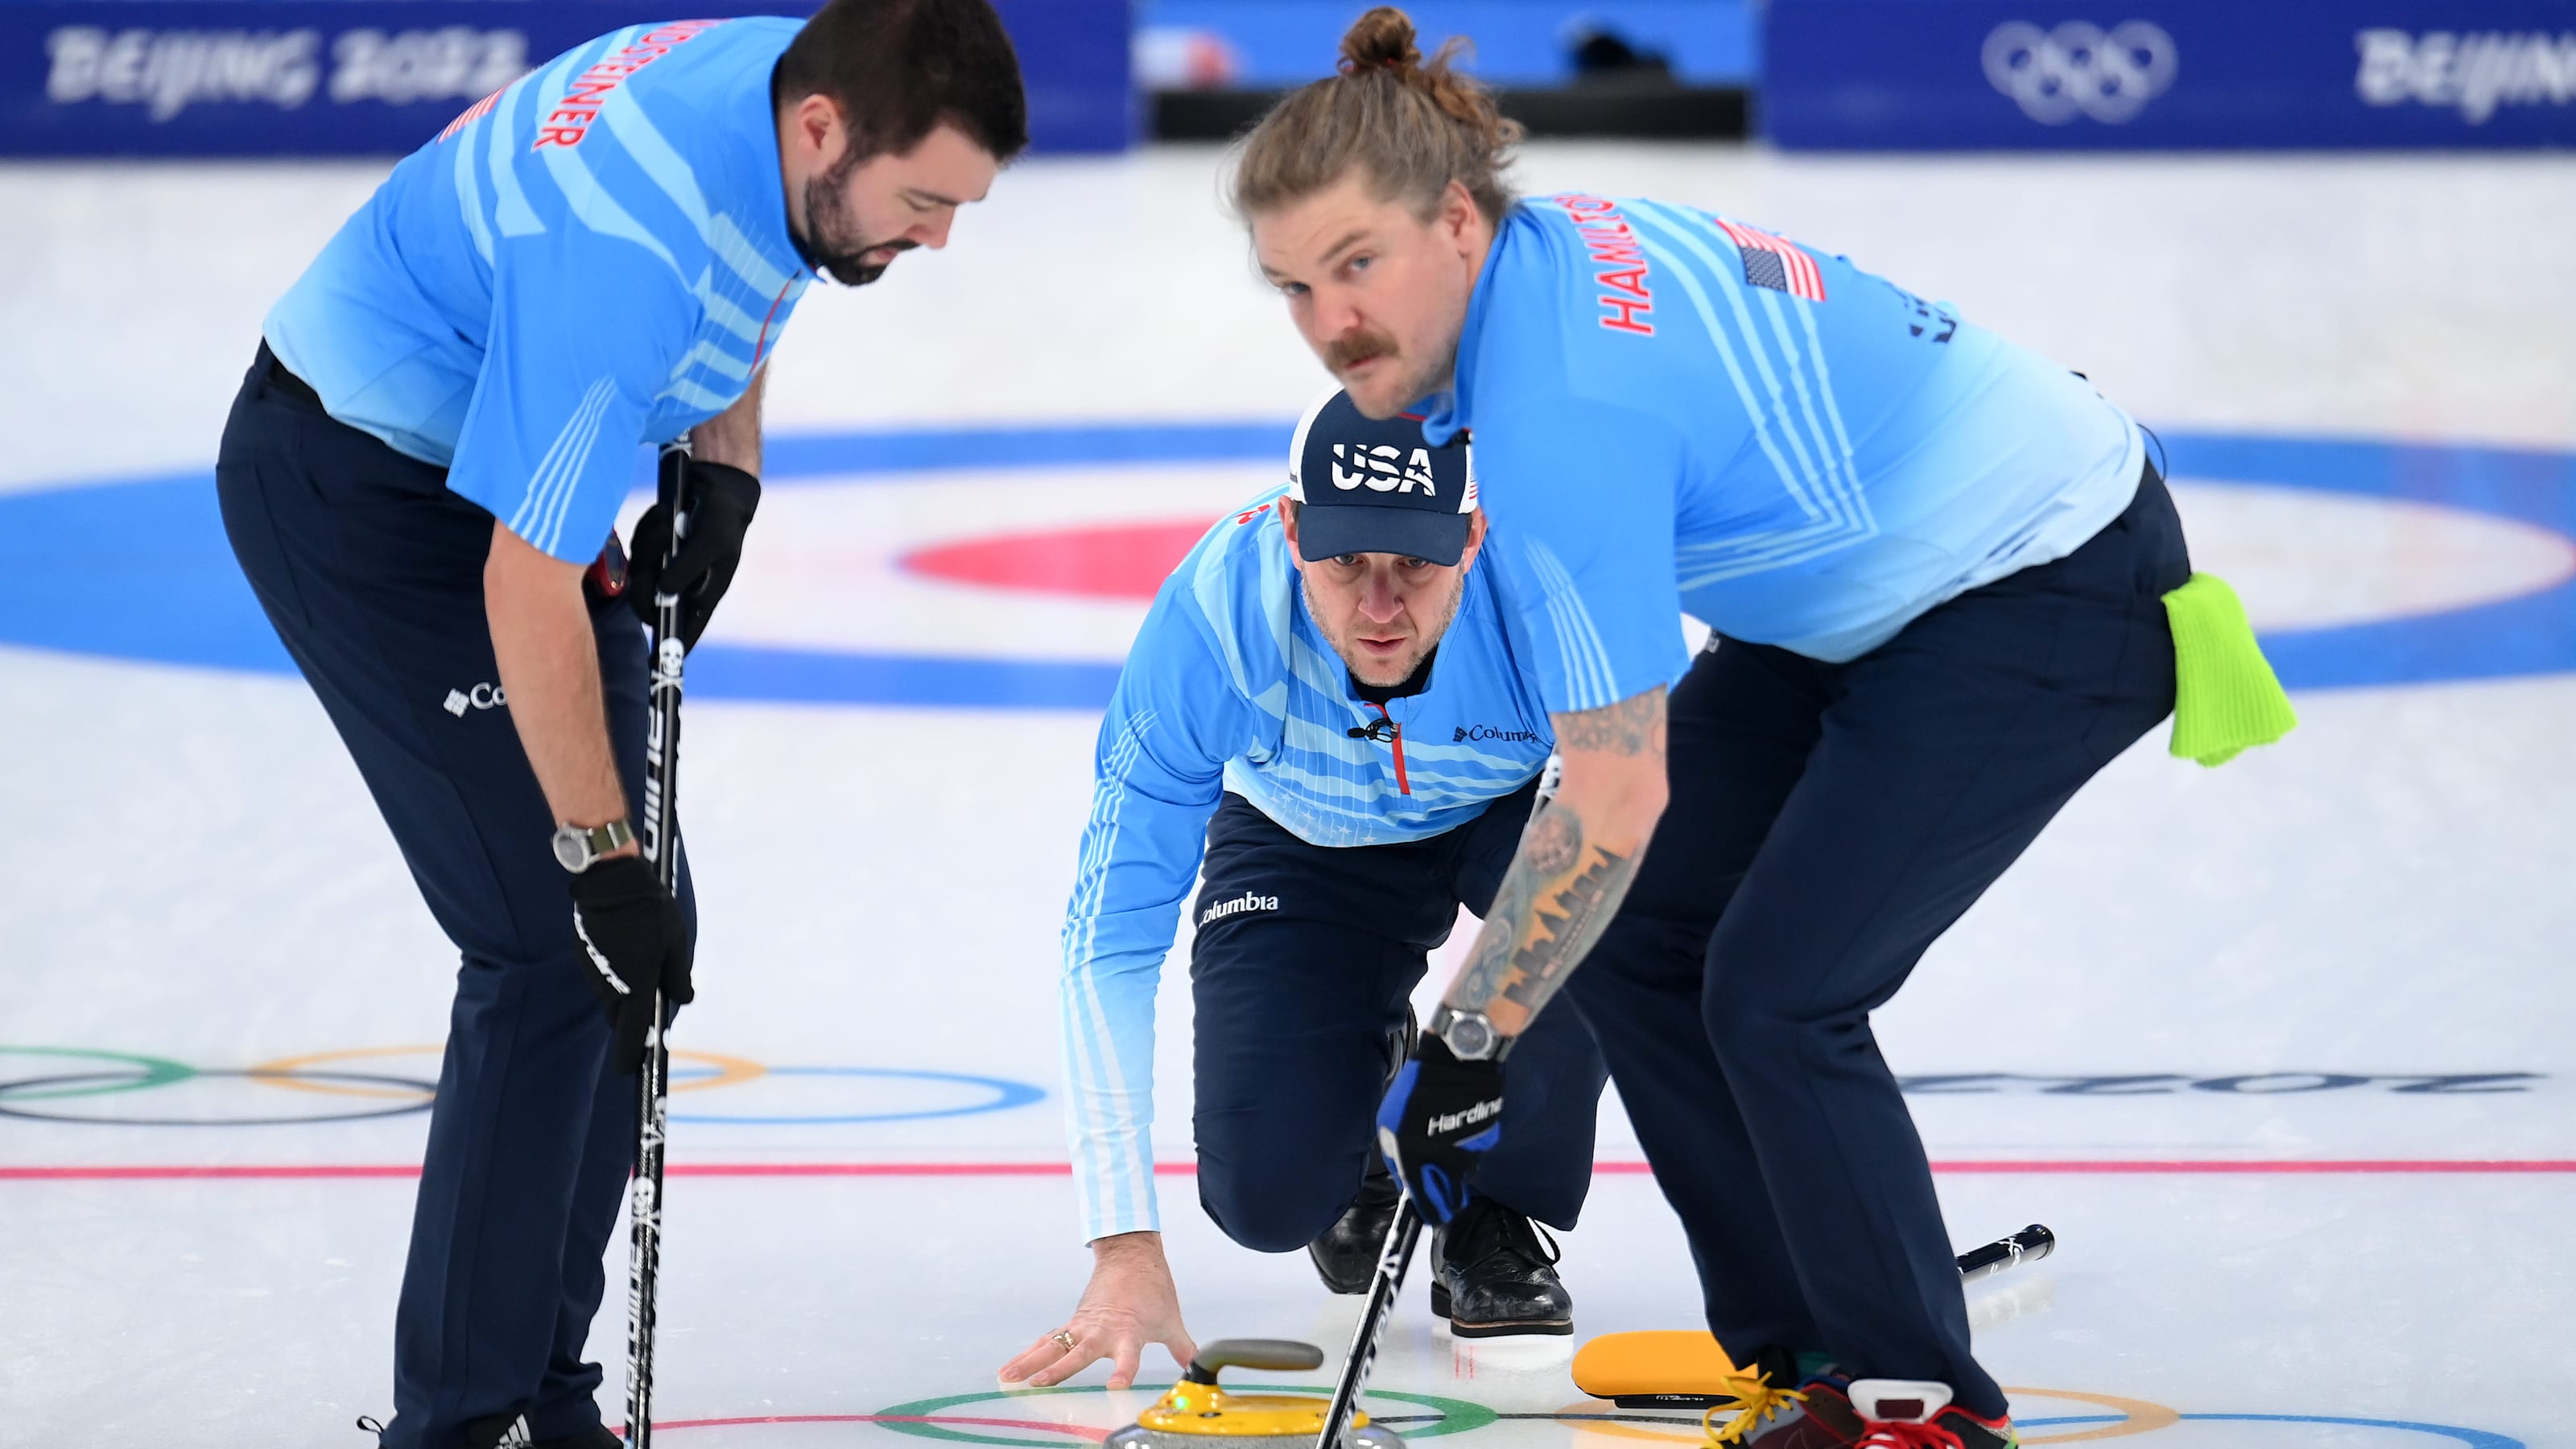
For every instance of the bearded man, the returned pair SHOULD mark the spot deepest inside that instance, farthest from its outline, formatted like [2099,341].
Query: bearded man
[420,477]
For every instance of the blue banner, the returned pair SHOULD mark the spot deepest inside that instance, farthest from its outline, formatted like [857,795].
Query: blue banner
[379,77]
[2168,74]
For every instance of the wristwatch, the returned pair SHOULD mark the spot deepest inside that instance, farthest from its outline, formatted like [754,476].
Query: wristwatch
[1470,1035]
[579,847]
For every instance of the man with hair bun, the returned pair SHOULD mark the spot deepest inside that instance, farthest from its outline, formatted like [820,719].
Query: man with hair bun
[421,476]
[1934,564]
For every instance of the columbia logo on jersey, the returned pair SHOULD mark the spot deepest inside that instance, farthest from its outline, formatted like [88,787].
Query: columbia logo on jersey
[1491,732]
[481,696]
[1237,906]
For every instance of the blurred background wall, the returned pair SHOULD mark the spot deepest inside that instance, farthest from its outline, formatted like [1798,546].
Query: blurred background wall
[340,77]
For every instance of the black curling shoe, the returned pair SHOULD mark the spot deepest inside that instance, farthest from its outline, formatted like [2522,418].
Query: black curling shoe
[1494,1275]
[1346,1255]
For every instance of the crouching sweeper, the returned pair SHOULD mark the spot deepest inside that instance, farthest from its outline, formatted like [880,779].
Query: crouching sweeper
[1329,700]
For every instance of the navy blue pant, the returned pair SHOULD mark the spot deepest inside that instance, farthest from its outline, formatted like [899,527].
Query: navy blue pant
[1305,959]
[372,573]
[1827,823]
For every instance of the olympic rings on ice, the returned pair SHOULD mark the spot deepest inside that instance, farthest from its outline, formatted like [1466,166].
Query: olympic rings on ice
[1037,1423]
[106,1079]
[2078,69]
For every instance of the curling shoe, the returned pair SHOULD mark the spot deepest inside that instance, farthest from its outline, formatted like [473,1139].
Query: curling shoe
[1918,1414]
[1346,1255]
[1767,1414]
[1493,1277]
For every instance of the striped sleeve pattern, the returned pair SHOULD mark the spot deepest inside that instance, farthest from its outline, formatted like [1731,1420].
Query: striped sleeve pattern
[1156,782]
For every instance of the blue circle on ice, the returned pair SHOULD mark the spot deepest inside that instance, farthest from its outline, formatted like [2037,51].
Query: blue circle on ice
[140,569]
[983,1094]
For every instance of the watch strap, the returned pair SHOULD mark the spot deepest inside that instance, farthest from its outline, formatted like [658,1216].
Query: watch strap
[594,841]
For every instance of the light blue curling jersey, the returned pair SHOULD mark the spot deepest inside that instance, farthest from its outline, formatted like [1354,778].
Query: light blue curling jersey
[1675,411]
[593,259]
[1231,687]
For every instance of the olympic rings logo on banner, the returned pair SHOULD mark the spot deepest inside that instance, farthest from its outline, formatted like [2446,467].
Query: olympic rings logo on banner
[93,1087]
[2078,69]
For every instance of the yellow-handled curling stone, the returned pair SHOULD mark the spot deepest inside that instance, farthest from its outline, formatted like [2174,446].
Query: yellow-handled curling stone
[1199,1413]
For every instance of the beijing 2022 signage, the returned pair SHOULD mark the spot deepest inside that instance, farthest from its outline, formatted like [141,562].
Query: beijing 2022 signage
[330,77]
[2168,74]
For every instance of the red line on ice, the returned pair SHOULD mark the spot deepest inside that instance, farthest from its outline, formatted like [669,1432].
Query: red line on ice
[1078,1431]
[163,1172]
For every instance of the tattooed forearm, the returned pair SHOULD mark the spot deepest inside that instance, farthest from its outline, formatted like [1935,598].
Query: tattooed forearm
[1554,841]
[1576,861]
[1481,979]
[1553,904]
[1633,726]
[1583,911]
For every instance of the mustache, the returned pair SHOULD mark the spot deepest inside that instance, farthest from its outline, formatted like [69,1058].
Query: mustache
[1358,347]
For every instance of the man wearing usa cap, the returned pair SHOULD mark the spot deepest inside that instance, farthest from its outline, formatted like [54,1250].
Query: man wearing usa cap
[1280,715]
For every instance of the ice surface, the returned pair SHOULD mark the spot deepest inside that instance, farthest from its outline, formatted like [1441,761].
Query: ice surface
[2346,951]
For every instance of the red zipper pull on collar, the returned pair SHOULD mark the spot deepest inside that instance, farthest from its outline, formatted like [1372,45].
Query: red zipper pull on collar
[1403,785]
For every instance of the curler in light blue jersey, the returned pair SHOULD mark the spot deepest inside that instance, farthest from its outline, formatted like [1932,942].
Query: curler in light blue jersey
[592,259]
[1673,410]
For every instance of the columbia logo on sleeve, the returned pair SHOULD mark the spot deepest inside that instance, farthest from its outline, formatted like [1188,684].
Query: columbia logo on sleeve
[1237,906]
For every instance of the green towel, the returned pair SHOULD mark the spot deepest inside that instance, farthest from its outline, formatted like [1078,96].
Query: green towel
[2226,699]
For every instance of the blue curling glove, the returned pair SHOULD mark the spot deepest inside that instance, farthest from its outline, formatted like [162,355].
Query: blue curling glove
[1439,1117]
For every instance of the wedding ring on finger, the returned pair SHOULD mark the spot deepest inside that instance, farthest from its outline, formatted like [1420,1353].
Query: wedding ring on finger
[1064,1336]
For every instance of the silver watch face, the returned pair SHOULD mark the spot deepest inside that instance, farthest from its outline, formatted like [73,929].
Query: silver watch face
[572,849]
[1470,1037]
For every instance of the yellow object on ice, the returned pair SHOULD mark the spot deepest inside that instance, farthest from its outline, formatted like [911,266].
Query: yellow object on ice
[1207,1410]
[1682,1363]
[2226,698]
[1661,1361]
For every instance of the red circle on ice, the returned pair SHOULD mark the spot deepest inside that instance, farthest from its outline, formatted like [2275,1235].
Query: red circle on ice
[1096,561]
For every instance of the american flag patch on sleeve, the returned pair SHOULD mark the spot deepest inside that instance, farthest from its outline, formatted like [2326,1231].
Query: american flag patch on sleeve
[1774,263]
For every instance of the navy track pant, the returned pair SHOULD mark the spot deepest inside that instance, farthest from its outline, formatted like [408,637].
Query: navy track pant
[372,573]
[1305,958]
[1827,823]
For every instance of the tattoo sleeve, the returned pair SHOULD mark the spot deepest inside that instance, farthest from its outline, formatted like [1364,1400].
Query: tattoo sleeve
[1562,888]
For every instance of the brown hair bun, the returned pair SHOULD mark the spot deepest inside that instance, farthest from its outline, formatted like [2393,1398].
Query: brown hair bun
[1413,126]
[1382,37]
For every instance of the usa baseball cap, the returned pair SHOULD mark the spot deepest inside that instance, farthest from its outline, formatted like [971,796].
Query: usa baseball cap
[1364,486]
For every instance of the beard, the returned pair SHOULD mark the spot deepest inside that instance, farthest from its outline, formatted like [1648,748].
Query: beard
[1393,672]
[834,244]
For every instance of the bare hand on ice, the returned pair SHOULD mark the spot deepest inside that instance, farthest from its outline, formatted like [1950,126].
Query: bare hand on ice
[1130,1302]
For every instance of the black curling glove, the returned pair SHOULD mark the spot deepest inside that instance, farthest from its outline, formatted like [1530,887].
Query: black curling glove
[1439,1118]
[636,937]
[720,503]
